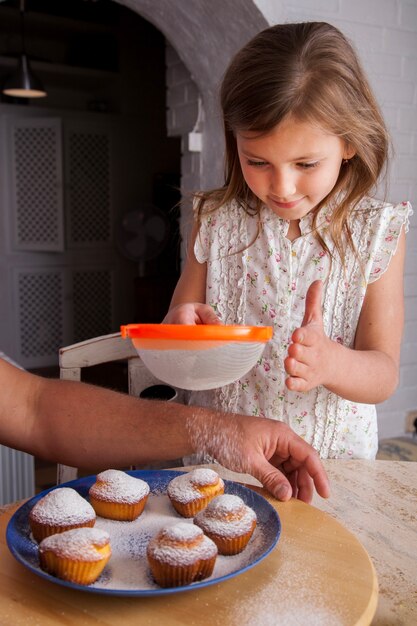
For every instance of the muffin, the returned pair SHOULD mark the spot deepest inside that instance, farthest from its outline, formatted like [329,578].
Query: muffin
[60,510]
[228,522]
[180,554]
[191,492]
[77,555]
[119,496]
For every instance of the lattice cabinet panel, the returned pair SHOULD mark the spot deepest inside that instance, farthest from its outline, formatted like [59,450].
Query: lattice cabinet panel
[40,315]
[37,199]
[89,207]
[92,303]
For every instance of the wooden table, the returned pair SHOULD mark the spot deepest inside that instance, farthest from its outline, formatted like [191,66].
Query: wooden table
[319,572]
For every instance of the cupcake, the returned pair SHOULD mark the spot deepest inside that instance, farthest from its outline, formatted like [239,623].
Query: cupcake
[180,554]
[228,522]
[77,555]
[191,492]
[119,496]
[60,510]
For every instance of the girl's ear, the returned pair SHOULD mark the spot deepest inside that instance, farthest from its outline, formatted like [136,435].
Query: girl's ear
[349,151]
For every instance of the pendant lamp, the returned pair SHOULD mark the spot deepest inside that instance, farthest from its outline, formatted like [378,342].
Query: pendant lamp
[23,83]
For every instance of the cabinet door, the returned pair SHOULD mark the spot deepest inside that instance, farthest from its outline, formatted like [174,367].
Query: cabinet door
[36,194]
[92,302]
[42,320]
[88,184]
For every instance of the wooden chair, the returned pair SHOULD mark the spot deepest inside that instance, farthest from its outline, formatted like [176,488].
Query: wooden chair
[72,359]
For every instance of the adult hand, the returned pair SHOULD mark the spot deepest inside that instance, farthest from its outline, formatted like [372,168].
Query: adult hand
[270,451]
[309,360]
[191,313]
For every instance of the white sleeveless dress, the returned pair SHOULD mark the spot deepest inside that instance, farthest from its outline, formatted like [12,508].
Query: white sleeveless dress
[262,280]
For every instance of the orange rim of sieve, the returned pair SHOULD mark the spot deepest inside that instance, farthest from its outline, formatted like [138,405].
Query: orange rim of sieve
[198,332]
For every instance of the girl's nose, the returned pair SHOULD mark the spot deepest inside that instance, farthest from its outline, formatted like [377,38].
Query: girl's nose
[283,186]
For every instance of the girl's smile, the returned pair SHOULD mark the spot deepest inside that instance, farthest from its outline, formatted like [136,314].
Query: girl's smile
[285,205]
[293,167]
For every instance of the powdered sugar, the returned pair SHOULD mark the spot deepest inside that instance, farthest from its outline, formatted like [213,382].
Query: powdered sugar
[184,488]
[226,516]
[117,486]
[63,506]
[180,531]
[128,567]
[181,544]
[78,544]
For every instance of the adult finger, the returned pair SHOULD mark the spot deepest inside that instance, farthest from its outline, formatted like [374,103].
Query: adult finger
[272,479]
[305,485]
[301,454]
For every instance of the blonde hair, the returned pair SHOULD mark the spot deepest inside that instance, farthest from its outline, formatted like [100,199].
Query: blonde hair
[311,72]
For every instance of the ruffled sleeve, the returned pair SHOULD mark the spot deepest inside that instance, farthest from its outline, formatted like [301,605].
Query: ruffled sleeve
[222,232]
[203,240]
[392,219]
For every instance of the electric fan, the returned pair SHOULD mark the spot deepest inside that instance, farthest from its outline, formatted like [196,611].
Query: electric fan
[142,234]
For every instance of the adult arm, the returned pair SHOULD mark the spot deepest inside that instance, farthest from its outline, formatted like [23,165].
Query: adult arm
[86,426]
[368,373]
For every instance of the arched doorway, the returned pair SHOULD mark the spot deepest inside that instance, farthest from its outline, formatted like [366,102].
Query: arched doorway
[205,35]
[201,37]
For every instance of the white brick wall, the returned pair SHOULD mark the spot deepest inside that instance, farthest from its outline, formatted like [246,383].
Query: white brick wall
[182,116]
[385,35]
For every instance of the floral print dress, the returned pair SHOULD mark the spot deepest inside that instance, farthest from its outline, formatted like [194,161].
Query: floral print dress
[256,276]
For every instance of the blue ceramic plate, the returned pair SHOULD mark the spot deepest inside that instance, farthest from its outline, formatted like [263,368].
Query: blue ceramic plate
[127,572]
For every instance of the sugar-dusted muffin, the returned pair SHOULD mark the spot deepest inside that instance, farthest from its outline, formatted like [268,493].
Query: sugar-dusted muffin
[191,492]
[77,555]
[60,510]
[119,496]
[181,554]
[229,522]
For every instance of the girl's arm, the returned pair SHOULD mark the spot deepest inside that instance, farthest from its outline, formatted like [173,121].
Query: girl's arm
[188,301]
[368,373]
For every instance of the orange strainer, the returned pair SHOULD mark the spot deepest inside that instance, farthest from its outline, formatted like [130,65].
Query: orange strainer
[198,357]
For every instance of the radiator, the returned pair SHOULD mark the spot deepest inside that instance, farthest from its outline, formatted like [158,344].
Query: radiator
[17,475]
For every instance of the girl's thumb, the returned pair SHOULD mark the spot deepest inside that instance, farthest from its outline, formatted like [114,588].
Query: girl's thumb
[313,303]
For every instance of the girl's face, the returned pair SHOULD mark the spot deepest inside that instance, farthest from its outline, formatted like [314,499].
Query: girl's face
[293,167]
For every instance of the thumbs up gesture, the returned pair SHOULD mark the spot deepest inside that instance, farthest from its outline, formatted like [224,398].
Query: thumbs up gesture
[308,361]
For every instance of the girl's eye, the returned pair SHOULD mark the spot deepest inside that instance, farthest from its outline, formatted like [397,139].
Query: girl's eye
[257,163]
[308,166]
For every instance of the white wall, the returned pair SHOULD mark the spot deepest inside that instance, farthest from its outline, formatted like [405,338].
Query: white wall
[385,35]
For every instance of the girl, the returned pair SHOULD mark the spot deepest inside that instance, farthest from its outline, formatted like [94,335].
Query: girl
[293,240]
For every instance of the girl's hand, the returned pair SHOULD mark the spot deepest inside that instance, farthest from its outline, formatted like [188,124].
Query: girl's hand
[309,360]
[191,313]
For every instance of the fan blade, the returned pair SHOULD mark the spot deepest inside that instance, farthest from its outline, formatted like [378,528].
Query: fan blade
[156,227]
[136,246]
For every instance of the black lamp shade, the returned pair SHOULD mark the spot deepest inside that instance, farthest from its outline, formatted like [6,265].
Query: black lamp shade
[23,83]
